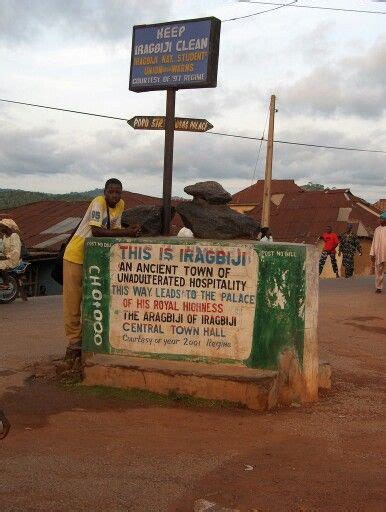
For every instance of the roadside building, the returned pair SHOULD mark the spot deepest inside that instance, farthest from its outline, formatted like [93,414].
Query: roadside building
[300,216]
[296,216]
[45,225]
[380,205]
[247,199]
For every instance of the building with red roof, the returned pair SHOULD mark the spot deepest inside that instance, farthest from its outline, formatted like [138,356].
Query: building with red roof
[45,225]
[301,216]
[380,205]
[296,216]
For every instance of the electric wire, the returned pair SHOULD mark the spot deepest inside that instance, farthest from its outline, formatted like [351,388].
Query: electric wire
[205,133]
[298,143]
[64,110]
[259,12]
[342,148]
[303,6]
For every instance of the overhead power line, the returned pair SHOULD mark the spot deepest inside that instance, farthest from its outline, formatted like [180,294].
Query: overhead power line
[303,6]
[299,143]
[64,110]
[208,133]
[279,6]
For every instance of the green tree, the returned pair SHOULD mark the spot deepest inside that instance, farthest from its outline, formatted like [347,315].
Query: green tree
[312,187]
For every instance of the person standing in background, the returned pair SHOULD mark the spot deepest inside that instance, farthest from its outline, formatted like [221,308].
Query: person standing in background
[331,242]
[11,249]
[378,253]
[266,235]
[349,244]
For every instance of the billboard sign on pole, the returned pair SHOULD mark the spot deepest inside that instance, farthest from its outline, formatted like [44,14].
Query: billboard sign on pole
[179,55]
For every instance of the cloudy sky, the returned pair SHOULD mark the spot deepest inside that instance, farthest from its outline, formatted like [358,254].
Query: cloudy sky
[327,69]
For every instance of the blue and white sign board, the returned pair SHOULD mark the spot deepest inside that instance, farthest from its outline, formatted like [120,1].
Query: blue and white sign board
[178,55]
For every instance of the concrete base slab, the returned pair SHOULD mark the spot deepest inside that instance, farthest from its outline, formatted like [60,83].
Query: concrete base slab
[251,388]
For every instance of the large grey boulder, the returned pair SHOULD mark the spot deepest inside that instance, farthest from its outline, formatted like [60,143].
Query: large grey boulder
[217,221]
[211,191]
[148,216]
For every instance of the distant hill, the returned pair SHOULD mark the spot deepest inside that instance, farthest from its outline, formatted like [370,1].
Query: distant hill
[9,198]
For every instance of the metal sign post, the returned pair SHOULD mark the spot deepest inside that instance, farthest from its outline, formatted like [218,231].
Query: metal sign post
[171,56]
[168,160]
[170,124]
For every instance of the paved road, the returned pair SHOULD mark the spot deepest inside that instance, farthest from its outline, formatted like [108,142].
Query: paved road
[70,451]
[30,331]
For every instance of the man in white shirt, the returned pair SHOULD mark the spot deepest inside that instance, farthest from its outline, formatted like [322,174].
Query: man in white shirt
[378,253]
[11,249]
[266,235]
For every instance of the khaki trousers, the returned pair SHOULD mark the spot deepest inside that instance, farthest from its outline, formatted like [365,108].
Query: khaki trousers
[72,300]
[379,275]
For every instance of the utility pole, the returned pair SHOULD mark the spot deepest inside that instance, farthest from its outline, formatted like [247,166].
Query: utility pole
[265,216]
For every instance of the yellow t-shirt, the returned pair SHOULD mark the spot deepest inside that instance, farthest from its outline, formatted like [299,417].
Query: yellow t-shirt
[96,215]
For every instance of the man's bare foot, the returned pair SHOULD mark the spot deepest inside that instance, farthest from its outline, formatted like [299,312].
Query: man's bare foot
[73,351]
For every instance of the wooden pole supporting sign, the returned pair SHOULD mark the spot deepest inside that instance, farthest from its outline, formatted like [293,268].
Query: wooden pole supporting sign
[170,56]
[168,160]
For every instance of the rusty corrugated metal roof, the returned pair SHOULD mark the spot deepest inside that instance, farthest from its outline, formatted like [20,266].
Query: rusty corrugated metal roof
[301,217]
[45,224]
[254,193]
[380,205]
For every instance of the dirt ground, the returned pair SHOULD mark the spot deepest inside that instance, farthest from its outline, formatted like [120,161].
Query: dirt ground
[71,451]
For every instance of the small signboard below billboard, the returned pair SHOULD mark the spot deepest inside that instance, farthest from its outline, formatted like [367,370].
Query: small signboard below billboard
[178,55]
[182,124]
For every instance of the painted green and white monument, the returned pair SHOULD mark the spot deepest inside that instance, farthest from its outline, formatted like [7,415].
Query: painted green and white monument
[228,302]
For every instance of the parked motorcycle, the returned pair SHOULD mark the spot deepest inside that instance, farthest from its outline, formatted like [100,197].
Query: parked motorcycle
[16,284]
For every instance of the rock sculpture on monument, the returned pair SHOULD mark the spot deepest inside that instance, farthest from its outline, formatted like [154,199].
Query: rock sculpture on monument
[209,216]
[149,217]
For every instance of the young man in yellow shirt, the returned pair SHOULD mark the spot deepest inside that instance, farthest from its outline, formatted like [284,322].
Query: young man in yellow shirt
[103,218]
